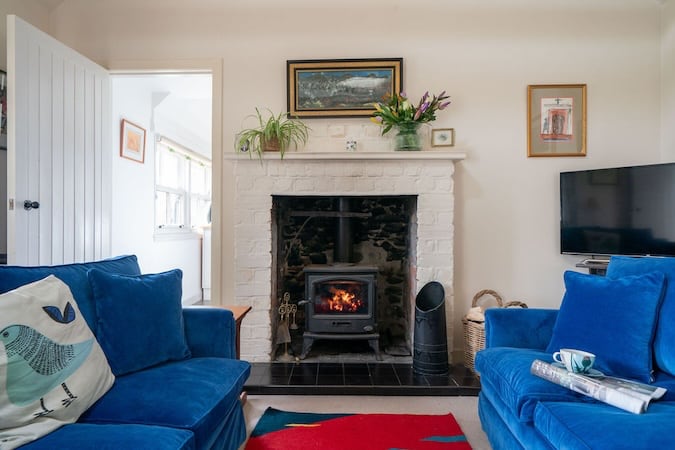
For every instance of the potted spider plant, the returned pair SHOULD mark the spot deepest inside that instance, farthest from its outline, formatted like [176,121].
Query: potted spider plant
[275,133]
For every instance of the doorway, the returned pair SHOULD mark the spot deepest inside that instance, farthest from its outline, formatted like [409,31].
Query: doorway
[161,204]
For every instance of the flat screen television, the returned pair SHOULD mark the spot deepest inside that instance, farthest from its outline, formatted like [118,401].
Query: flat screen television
[618,211]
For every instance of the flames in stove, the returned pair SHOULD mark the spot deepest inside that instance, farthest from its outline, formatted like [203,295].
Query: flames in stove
[340,298]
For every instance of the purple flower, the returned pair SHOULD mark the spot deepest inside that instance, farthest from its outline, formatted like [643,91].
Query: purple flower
[421,110]
[443,105]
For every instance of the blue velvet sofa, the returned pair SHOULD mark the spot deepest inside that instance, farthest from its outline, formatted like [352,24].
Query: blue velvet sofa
[188,400]
[627,318]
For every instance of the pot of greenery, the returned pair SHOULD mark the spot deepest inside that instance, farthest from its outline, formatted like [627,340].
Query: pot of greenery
[275,133]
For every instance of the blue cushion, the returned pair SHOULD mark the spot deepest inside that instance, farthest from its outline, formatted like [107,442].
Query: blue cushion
[140,319]
[74,275]
[666,381]
[114,437]
[583,426]
[505,372]
[613,318]
[198,394]
[664,350]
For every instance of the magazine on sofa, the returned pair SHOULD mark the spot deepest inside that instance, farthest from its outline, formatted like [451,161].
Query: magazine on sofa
[628,395]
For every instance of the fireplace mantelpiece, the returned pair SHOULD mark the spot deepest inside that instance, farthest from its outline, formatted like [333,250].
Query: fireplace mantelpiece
[247,228]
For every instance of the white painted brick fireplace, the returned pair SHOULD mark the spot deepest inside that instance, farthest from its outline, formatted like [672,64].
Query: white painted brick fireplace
[426,174]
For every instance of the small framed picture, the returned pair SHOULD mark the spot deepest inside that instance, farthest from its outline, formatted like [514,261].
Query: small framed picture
[132,141]
[443,137]
[556,120]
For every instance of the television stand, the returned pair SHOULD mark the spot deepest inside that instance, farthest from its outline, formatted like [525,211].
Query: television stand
[594,266]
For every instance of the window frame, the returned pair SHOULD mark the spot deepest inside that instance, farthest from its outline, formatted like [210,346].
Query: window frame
[189,157]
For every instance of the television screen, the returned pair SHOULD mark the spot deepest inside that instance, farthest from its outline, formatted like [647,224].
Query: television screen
[618,211]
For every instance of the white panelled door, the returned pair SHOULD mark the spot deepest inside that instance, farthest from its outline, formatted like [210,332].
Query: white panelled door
[59,156]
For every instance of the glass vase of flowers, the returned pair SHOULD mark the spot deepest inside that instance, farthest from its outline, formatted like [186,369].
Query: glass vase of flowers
[397,111]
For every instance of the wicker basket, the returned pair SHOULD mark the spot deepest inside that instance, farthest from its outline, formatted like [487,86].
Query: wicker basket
[474,332]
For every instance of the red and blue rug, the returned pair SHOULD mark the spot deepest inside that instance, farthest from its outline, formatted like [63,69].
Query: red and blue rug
[283,430]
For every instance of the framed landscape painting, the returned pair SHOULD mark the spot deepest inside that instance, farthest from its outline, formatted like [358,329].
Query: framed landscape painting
[556,120]
[341,87]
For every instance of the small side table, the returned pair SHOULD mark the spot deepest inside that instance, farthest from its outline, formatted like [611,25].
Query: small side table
[239,313]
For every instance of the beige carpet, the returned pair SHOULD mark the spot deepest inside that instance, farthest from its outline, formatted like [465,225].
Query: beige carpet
[465,409]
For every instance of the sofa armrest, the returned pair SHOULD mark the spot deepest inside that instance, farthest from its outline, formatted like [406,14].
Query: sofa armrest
[523,328]
[210,331]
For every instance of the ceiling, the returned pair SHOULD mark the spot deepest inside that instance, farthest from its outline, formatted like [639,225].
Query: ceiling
[181,105]
[50,4]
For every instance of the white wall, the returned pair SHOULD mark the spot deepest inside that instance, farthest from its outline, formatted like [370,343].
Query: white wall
[133,195]
[484,53]
[668,80]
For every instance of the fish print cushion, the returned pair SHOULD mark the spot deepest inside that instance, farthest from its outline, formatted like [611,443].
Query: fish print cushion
[52,369]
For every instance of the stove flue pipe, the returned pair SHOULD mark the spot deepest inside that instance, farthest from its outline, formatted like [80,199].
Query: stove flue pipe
[344,241]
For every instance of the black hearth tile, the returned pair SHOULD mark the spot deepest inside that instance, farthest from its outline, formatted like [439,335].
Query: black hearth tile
[260,369]
[289,380]
[402,368]
[356,369]
[281,369]
[404,372]
[412,379]
[331,380]
[460,371]
[440,380]
[258,380]
[279,381]
[330,369]
[385,381]
[309,380]
[471,382]
[305,370]
[469,391]
[357,380]
[381,370]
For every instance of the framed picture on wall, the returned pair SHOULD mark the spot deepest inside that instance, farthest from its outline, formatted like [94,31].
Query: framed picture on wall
[3,110]
[442,137]
[340,87]
[556,120]
[132,141]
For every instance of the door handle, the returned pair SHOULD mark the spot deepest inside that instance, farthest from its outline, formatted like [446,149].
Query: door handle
[28,205]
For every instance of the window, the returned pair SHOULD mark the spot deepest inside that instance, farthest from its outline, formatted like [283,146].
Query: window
[182,188]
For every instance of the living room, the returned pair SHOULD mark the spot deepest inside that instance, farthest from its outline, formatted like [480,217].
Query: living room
[506,204]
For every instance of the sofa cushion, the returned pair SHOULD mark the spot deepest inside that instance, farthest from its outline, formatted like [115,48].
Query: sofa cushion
[74,275]
[613,318]
[197,394]
[506,373]
[598,426]
[82,436]
[140,319]
[51,369]
[666,381]
[621,266]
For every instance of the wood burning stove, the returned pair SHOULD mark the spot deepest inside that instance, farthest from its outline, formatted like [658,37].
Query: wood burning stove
[340,303]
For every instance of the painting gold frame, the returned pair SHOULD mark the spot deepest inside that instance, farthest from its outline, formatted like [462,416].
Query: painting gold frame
[556,120]
[340,87]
